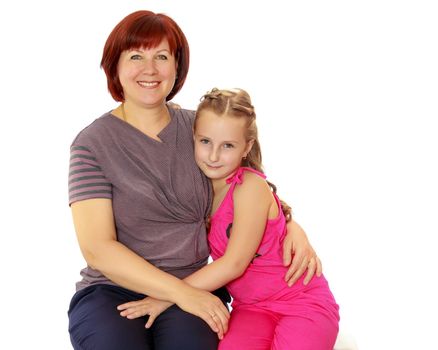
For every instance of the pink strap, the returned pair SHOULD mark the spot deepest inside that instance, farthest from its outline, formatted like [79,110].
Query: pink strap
[237,176]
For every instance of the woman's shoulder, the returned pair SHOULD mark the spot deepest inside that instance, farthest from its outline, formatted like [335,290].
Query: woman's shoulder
[95,130]
[185,116]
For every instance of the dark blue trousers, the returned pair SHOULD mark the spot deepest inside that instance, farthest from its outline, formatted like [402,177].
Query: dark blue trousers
[95,324]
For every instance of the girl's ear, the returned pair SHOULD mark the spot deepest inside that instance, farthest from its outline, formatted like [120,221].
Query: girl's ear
[249,145]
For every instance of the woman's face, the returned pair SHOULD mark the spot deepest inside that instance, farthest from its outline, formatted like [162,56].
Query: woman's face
[147,75]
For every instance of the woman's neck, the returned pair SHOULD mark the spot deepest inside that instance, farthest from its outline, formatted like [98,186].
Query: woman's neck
[146,116]
[148,120]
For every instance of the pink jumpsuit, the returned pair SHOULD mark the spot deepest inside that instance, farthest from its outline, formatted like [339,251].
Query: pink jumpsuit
[267,314]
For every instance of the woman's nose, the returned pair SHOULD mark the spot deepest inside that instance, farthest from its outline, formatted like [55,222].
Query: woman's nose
[149,67]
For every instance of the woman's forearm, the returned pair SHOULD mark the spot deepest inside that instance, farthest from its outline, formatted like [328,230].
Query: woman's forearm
[97,238]
[125,268]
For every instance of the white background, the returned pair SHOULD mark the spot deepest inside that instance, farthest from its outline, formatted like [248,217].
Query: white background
[346,98]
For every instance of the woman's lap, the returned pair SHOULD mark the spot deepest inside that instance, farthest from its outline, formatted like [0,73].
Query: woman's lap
[95,323]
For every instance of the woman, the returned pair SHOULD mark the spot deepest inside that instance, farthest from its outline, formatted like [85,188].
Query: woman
[139,203]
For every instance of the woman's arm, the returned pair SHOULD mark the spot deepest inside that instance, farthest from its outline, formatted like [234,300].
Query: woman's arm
[95,229]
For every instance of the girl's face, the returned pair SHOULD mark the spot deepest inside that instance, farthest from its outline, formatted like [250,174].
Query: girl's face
[147,75]
[220,144]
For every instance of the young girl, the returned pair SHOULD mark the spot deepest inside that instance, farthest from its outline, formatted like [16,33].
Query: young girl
[247,228]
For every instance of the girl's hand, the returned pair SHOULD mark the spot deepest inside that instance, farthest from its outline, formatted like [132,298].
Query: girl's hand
[147,306]
[297,249]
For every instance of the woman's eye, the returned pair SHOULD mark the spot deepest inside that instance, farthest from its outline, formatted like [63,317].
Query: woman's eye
[135,57]
[162,57]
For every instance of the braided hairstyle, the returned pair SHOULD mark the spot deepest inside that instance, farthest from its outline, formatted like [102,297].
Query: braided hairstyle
[237,103]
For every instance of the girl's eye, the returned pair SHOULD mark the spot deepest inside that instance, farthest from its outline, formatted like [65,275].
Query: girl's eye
[228,145]
[204,141]
[135,57]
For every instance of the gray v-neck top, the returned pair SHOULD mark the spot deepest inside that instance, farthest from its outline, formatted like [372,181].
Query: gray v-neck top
[160,198]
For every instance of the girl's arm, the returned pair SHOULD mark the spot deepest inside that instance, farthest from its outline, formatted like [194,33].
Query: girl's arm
[96,233]
[253,200]
[251,207]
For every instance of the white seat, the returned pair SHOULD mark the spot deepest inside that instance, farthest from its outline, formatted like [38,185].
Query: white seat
[345,341]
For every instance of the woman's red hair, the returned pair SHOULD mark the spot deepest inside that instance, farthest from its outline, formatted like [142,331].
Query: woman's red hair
[144,29]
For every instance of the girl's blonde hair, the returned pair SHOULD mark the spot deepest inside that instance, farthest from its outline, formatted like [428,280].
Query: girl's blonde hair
[237,103]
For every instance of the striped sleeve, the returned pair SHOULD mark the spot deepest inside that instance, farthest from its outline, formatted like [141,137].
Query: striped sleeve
[86,179]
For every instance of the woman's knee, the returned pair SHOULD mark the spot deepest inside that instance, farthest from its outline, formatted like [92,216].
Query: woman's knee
[95,323]
[177,329]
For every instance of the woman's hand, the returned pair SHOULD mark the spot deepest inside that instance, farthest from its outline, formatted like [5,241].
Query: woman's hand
[173,105]
[206,306]
[297,249]
[147,306]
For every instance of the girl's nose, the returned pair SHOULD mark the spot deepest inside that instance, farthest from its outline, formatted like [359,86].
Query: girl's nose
[214,155]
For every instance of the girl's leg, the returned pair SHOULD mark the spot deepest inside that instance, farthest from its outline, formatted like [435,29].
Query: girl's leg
[309,319]
[305,333]
[249,329]
[95,323]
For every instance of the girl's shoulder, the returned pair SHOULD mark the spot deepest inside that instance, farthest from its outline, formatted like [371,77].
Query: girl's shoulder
[243,173]
[253,195]
[251,183]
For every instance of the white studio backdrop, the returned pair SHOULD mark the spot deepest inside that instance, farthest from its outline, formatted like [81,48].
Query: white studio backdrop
[346,98]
